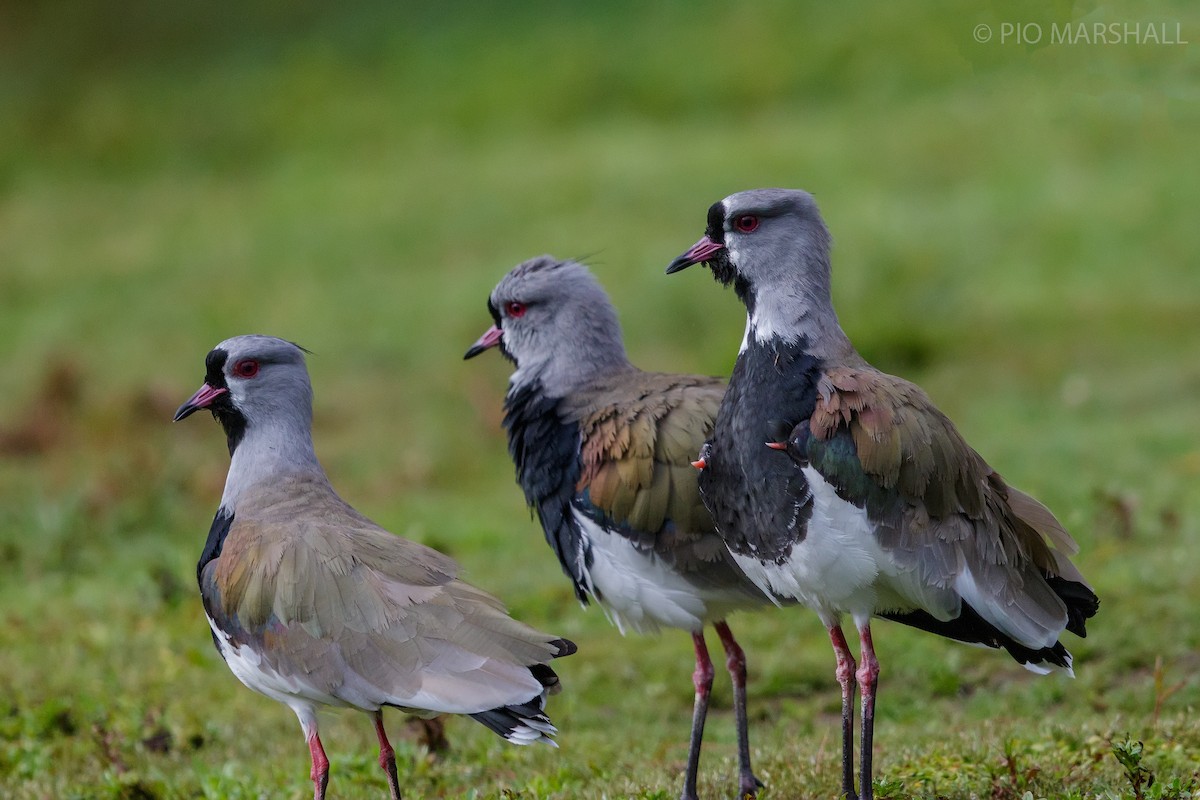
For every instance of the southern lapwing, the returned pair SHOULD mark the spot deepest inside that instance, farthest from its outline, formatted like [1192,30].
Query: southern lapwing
[603,451]
[845,488]
[312,604]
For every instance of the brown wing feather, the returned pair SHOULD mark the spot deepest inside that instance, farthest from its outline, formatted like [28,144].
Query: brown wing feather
[953,506]
[330,593]
[637,444]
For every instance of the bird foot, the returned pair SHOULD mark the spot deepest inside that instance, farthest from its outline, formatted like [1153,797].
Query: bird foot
[748,787]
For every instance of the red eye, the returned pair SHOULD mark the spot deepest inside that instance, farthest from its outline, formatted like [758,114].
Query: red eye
[515,309]
[246,368]
[746,223]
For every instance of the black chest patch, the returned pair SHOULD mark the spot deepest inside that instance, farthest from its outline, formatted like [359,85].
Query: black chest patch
[758,497]
[216,540]
[545,450]
[212,551]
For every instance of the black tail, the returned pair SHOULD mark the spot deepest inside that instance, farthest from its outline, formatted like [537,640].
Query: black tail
[520,724]
[565,647]
[971,628]
[526,723]
[1082,603]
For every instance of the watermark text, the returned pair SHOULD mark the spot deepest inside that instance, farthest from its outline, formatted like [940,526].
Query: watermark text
[1081,33]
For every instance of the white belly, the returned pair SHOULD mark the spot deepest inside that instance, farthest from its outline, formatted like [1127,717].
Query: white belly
[835,568]
[248,665]
[460,683]
[638,590]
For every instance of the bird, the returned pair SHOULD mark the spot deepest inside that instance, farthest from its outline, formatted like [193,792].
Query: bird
[312,604]
[844,488]
[603,452]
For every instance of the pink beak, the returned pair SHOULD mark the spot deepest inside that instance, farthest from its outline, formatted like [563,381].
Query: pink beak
[203,398]
[490,339]
[702,250]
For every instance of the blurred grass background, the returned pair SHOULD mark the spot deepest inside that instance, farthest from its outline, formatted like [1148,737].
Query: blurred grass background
[1015,228]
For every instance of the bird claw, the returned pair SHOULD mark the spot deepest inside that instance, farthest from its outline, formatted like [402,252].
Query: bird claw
[749,789]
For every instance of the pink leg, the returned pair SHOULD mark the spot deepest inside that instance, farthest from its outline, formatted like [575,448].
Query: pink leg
[868,680]
[845,678]
[387,757]
[320,766]
[702,679]
[735,662]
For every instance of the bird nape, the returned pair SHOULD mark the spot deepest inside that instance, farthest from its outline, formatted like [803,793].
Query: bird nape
[312,604]
[603,452]
[846,489]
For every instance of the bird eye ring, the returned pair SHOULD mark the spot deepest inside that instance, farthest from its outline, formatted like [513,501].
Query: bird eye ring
[746,223]
[246,368]
[515,309]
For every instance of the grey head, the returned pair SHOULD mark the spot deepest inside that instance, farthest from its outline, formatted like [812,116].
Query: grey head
[256,386]
[773,247]
[555,323]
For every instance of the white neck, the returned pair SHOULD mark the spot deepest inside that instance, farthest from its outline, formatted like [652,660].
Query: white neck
[746,335]
[787,318]
[776,316]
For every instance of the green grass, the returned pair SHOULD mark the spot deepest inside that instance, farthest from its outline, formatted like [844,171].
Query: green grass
[1014,229]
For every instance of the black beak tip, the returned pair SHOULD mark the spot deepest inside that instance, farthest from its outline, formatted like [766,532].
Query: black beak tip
[473,351]
[679,264]
[184,411]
